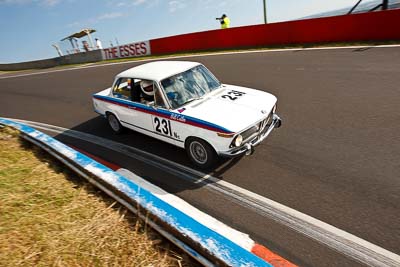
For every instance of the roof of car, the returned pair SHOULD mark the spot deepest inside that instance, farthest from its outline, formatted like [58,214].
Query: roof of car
[158,70]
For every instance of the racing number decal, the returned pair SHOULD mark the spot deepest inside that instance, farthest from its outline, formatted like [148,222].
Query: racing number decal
[233,95]
[163,126]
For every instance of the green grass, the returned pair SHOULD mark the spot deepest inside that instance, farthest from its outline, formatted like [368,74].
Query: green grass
[51,217]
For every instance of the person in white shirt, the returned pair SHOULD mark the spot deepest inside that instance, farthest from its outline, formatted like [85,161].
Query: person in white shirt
[98,44]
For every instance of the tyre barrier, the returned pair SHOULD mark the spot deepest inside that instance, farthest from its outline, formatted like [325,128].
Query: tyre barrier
[207,240]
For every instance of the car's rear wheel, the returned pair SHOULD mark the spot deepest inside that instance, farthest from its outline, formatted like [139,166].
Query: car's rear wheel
[114,123]
[200,153]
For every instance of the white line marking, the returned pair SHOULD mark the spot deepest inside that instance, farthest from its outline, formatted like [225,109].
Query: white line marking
[201,55]
[337,239]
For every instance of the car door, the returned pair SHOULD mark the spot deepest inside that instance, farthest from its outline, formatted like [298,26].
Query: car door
[121,103]
[130,113]
[135,113]
[164,127]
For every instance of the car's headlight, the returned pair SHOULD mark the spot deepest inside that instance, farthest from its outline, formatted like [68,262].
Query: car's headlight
[274,109]
[238,140]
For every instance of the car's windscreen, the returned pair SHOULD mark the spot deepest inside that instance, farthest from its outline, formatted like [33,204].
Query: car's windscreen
[189,85]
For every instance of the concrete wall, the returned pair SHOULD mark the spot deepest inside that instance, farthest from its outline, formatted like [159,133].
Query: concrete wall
[371,26]
[84,57]
[87,57]
[37,64]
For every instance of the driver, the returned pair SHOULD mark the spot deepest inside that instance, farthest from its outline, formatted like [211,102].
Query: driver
[147,90]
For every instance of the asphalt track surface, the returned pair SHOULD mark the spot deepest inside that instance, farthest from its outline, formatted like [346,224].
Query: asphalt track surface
[336,157]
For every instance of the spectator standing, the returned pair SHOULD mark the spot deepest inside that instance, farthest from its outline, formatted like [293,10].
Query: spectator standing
[98,44]
[85,46]
[225,21]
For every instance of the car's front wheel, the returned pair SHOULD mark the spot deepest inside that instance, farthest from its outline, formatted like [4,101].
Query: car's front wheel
[114,123]
[200,153]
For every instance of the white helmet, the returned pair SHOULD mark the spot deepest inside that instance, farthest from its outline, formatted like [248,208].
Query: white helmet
[147,87]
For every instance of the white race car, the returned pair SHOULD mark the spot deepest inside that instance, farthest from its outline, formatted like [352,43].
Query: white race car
[182,103]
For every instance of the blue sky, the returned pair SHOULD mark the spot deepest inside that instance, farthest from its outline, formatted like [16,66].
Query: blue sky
[29,27]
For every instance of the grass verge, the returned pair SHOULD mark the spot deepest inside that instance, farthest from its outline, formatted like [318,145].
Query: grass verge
[51,217]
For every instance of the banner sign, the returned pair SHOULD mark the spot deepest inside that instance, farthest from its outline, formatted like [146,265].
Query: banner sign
[128,50]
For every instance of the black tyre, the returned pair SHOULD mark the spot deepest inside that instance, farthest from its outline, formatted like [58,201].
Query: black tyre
[200,153]
[114,123]
[278,123]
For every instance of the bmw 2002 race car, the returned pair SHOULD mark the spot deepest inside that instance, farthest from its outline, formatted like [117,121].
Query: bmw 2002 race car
[183,103]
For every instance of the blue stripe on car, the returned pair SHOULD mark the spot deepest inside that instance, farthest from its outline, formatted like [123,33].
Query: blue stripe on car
[164,113]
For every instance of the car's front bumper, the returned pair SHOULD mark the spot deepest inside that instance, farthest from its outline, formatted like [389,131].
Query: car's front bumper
[248,147]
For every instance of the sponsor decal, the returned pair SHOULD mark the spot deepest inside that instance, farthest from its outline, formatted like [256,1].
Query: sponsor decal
[128,50]
[178,117]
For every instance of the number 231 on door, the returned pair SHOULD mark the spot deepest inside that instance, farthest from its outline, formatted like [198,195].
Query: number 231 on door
[162,126]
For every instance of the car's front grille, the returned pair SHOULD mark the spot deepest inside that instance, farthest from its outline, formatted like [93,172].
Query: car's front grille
[265,123]
[256,129]
[249,132]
